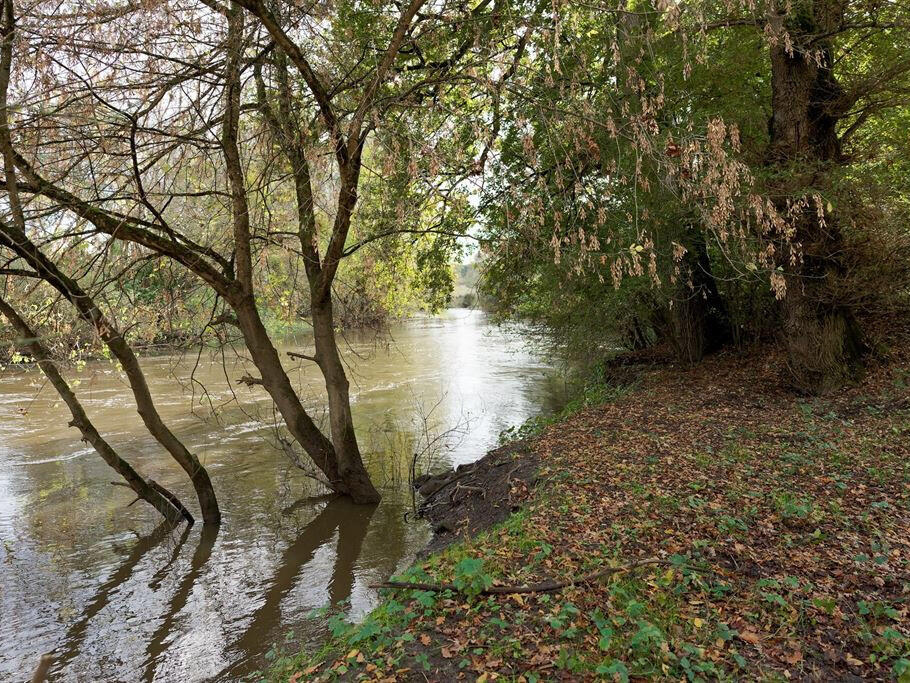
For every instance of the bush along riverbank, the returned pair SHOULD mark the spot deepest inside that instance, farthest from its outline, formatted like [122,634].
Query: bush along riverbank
[707,524]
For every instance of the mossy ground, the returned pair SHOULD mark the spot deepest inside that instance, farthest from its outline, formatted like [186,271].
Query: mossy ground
[784,523]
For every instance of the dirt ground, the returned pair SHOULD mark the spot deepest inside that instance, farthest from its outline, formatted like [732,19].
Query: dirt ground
[779,524]
[460,503]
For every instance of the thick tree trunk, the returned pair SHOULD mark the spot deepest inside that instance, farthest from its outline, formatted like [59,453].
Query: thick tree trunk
[343,471]
[718,330]
[275,380]
[822,338]
[339,458]
[350,464]
[154,494]
[698,321]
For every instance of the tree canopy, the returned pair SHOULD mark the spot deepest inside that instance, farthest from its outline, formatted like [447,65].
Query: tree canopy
[698,173]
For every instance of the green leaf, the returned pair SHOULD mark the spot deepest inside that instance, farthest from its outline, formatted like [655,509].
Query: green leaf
[615,669]
[901,670]
[368,629]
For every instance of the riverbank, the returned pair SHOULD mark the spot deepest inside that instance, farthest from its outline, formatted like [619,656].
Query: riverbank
[69,541]
[724,528]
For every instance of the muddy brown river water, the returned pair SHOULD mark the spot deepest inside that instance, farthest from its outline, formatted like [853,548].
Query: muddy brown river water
[88,577]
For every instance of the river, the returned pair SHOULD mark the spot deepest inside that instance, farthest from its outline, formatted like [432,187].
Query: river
[91,579]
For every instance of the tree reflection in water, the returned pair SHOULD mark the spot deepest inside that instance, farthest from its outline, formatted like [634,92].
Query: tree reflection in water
[157,645]
[75,635]
[351,523]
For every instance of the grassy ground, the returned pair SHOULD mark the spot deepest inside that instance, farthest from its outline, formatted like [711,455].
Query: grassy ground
[781,524]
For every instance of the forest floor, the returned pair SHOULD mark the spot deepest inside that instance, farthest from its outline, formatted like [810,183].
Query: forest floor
[778,527]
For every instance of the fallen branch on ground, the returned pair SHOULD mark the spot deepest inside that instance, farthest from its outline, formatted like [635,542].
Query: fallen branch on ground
[543,587]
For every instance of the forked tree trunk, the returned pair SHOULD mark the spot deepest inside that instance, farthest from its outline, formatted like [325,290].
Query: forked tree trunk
[347,474]
[154,494]
[276,382]
[338,458]
[822,338]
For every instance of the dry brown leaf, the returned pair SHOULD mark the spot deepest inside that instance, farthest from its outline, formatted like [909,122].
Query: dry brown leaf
[750,637]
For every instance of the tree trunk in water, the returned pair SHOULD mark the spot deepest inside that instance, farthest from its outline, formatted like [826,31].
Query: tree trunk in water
[16,240]
[350,464]
[339,458]
[154,494]
[343,474]
[275,380]
[822,338]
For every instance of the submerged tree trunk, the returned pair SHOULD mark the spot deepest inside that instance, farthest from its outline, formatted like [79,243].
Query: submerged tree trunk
[154,494]
[276,382]
[822,338]
[338,458]
[351,469]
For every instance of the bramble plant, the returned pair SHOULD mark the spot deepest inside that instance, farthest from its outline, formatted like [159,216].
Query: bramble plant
[470,577]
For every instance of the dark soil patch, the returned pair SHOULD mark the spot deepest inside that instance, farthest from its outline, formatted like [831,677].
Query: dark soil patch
[461,502]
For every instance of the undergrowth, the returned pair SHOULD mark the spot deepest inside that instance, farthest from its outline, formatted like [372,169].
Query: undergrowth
[782,527]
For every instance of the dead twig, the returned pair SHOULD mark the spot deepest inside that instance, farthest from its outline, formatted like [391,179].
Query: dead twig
[469,489]
[448,482]
[249,380]
[174,500]
[302,356]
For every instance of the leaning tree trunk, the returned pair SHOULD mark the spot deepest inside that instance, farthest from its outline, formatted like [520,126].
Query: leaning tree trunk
[344,474]
[154,494]
[16,240]
[822,337]
[351,469]
[337,459]
[15,237]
